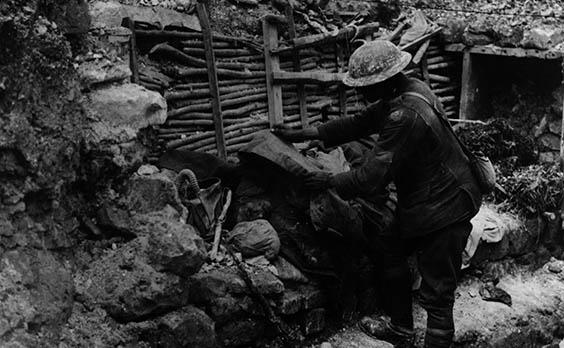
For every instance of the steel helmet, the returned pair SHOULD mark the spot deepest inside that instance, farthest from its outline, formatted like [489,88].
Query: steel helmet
[374,62]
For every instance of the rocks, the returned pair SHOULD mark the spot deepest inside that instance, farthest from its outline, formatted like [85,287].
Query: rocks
[187,327]
[150,193]
[128,288]
[169,245]
[254,238]
[71,16]
[241,332]
[205,286]
[36,291]
[454,30]
[96,72]
[302,298]
[550,141]
[110,14]
[555,266]
[119,112]
[543,37]
[314,321]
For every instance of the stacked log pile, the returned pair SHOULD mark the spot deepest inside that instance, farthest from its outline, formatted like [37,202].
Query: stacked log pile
[181,75]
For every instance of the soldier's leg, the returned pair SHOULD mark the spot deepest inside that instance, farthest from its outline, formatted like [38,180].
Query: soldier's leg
[439,259]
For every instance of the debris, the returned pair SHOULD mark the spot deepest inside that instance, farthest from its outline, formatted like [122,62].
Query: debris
[219,224]
[491,292]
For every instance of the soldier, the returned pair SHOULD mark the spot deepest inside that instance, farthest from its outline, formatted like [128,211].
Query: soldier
[437,192]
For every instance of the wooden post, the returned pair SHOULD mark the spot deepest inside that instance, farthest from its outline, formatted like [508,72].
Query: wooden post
[133,65]
[212,78]
[297,68]
[339,55]
[562,128]
[272,64]
[468,93]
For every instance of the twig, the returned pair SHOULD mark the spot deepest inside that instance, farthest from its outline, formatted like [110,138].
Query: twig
[219,225]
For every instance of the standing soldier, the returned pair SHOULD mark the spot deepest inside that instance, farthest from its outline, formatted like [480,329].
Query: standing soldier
[437,192]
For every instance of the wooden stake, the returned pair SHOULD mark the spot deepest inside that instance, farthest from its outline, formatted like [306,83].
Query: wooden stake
[272,64]
[297,67]
[212,77]
[219,224]
[133,64]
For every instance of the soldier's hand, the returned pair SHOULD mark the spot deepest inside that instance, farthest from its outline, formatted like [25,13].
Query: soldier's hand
[294,135]
[318,181]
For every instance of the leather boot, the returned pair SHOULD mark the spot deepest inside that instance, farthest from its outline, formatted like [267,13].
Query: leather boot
[383,329]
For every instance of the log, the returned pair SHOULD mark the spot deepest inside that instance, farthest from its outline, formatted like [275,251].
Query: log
[207,106]
[228,135]
[445,89]
[173,53]
[200,44]
[222,83]
[171,34]
[441,66]
[447,99]
[347,33]
[189,72]
[189,94]
[220,52]
[421,39]
[439,78]
[309,76]
[421,52]
[213,80]
[133,62]
[194,138]
[439,59]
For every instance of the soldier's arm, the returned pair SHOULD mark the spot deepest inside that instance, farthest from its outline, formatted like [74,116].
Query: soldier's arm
[398,137]
[344,130]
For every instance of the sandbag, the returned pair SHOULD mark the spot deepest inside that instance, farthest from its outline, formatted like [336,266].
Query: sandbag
[254,238]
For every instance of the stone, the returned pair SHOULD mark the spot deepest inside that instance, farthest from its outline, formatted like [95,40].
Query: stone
[147,169]
[71,16]
[169,245]
[96,72]
[129,289]
[150,193]
[291,302]
[314,321]
[206,286]
[556,105]
[187,327]
[507,35]
[224,309]
[303,297]
[555,266]
[550,141]
[453,30]
[548,157]
[240,332]
[254,238]
[541,127]
[92,327]
[555,126]
[119,112]
[478,33]
[542,37]
[115,220]
[36,291]
[111,13]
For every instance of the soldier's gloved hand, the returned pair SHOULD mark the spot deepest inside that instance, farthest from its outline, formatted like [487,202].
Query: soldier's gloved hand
[294,135]
[318,181]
